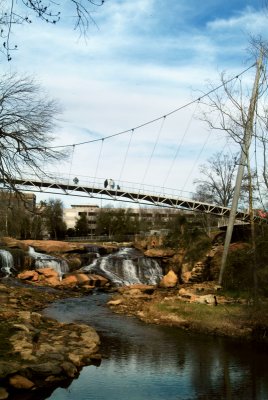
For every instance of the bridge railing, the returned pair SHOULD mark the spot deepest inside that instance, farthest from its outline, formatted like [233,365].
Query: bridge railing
[119,190]
[118,185]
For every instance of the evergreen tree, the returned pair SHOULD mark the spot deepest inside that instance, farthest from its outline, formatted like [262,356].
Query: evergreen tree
[81,225]
[53,215]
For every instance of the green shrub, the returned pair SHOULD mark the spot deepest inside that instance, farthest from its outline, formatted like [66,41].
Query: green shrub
[188,235]
[239,272]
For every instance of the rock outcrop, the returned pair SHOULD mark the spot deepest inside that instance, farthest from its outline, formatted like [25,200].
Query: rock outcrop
[37,351]
[48,276]
[75,254]
[199,273]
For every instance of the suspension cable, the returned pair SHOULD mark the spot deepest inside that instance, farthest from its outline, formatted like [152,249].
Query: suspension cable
[125,158]
[98,161]
[71,163]
[196,161]
[179,146]
[158,118]
[153,150]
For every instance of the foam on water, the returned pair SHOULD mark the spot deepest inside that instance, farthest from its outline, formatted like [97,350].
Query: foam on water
[127,267]
[7,263]
[47,261]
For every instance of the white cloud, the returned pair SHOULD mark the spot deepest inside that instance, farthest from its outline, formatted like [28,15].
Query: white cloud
[143,61]
[248,21]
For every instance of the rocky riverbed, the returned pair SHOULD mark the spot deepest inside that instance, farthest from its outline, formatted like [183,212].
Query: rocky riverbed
[38,352]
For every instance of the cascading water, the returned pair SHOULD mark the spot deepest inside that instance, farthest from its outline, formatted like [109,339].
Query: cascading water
[6,262]
[127,267]
[47,261]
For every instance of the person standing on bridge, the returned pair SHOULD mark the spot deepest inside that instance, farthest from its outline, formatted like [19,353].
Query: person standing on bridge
[111,183]
[105,183]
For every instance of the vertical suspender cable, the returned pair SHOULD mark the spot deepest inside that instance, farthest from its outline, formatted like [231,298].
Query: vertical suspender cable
[179,146]
[71,164]
[194,165]
[124,162]
[152,153]
[98,161]
[197,158]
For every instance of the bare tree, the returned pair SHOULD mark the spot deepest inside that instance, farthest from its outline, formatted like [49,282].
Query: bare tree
[27,119]
[23,11]
[239,114]
[217,183]
[227,111]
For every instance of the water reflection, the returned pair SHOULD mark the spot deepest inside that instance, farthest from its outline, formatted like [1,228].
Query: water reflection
[146,361]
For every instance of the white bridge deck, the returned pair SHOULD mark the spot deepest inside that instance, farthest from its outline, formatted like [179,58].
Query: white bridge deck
[125,191]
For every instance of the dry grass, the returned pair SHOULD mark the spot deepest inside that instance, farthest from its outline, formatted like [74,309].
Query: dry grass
[233,317]
[230,320]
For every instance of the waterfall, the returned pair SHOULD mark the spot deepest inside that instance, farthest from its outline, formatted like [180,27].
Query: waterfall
[6,262]
[126,267]
[47,261]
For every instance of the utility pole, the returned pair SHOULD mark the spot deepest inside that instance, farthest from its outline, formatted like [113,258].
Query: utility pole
[248,130]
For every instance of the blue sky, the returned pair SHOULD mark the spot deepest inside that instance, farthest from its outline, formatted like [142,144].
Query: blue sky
[140,60]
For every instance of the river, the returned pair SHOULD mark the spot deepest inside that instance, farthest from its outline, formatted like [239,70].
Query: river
[142,362]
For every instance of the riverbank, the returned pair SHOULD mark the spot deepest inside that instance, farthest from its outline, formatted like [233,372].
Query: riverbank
[39,353]
[196,307]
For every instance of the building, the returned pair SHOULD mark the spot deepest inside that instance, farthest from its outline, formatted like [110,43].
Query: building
[152,215]
[71,215]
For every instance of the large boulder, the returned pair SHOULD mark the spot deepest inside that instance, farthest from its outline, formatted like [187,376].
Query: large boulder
[75,279]
[147,289]
[20,382]
[46,246]
[28,276]
[159,253]
[47,276]
[82,279]
[169,280]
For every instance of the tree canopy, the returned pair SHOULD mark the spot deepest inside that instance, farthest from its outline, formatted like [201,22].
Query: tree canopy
[116,222]
[81,225]
[53,216]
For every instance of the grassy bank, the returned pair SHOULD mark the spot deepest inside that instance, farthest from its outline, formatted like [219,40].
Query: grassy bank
[229,320]
[230,317]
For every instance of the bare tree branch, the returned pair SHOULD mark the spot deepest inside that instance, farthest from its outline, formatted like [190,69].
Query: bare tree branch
[12,14]
[27,119]
[217,185]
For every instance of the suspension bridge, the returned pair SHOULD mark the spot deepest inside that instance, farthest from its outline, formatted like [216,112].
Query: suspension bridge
[157,143]
[123,191]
